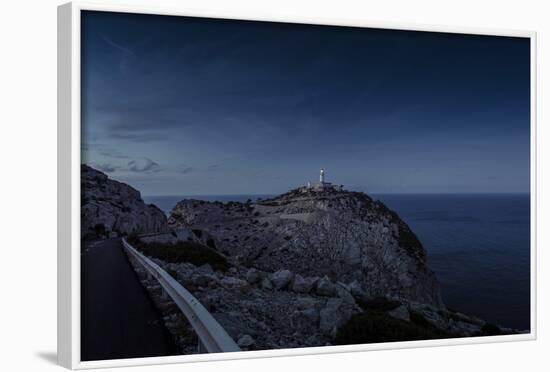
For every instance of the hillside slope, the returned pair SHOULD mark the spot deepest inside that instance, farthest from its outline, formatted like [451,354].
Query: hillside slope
[345,235]
[112,208]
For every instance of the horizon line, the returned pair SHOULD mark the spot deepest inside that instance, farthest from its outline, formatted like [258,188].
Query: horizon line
[373,193]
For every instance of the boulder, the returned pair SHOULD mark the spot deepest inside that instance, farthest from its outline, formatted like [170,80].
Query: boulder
[203,280]
[344,294]
[246,341]
[266,284]
[281,279]
[303,303]
[206,268]
[231,282]
[334,315]
[325,287]
[463,328]
[253,276]
[305,318]
[303,285]
[400,312]
[356,289]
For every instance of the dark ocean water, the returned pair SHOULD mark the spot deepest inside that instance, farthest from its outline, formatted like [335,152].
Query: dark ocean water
[478,245]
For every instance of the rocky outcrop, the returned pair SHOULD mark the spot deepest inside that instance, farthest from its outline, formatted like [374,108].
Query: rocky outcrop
[341,235]
[112,208]
[290,311]
[259,316]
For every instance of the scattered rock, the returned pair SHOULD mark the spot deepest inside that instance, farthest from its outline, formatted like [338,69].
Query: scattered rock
[206,268]
[305,318]
[334,315]
[203,280]
[233,283]
[400,312]
[303,285]
[325,287]
[281,278]
[245,341]
[344,294]
[253,276]
[356,289]
[305,303]
[266,284]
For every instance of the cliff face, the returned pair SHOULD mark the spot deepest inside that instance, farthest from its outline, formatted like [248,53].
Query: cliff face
[345,235]
[111,208]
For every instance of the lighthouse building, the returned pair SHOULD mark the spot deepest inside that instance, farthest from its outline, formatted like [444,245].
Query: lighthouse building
[322,185]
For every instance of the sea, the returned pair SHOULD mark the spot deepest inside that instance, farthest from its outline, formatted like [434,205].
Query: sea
[477,244]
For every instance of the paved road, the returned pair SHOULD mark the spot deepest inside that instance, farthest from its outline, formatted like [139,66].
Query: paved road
[119,320]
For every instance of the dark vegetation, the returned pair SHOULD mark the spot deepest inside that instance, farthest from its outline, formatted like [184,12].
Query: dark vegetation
[211,243]
[489,329]
[375,325]
[99,229]
[381,304]
[184,251]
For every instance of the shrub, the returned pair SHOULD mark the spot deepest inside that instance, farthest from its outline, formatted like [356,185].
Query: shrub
[489,329]
[99,229]
[381,304]
[197,232]
[376,326]
[184,251]
[210,243]
[419,319]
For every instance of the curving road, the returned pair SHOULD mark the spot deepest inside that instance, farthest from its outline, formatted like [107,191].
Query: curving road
[119,320]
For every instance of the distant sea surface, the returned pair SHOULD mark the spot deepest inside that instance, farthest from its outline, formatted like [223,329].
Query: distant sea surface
[478,245]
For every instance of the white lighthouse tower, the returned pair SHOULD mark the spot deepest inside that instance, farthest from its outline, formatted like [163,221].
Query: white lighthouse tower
[322,185]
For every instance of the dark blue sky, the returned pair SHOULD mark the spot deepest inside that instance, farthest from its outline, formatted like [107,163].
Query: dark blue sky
[179,105]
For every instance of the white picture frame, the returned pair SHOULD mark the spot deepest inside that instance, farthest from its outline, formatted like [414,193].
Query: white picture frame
[69,188]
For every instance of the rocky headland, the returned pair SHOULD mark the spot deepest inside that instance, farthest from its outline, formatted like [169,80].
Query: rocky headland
[346,236]
[310,267]
[306,268]
[110,208]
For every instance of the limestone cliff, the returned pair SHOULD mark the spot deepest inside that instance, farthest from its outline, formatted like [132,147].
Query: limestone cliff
[109,207]
[344,235]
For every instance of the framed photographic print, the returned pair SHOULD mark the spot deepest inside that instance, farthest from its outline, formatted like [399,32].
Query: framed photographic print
[250,187]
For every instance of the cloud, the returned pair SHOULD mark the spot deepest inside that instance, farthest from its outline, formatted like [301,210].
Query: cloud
[113,154]
[185,169]
[144,165]
[138,137]
[117,46]
[136,165]
[105,167]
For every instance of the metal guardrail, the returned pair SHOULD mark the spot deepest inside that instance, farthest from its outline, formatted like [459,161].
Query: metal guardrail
[212,337]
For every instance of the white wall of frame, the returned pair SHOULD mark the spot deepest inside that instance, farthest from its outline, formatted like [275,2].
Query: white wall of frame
[28,185]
